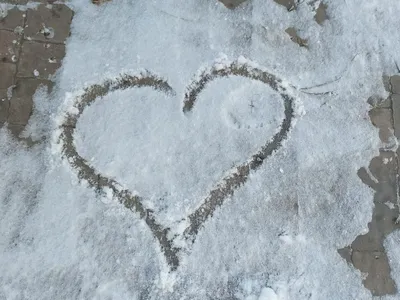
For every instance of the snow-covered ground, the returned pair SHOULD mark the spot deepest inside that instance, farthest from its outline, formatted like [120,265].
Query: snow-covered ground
[277,236]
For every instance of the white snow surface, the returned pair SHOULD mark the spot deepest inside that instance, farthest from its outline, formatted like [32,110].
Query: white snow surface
[277,237]
[171,159]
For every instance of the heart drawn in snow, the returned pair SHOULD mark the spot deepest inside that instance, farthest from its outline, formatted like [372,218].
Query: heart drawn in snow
[221,191]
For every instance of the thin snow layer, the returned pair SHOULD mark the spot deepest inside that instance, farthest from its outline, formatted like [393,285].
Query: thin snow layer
[51,228]
[42,118]
[170,159]
[277,237]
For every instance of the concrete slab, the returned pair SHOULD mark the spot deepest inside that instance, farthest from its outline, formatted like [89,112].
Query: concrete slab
[386,83]
[365,248]
[376,267]
[367,252]
[395,84]
[386,103]
[232,3]
[15,129]
[9,46]
[7,71]
[40,60]
[28,63]
[396,114]
[49,25]
[289,4]
[295,38]
[22,100]
[13,19]
[4,106]
[378,102]
[320,13]
[382,119]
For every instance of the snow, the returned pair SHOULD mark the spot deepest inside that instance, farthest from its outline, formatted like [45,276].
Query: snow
[230,125]
[3,10]
[277,236]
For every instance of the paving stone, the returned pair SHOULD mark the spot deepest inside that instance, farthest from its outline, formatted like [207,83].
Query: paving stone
[232,3]
[396,114]
[384,169]
[376,265]
[382,119]
[372,241]
[377,230]
[4,105]
[346,253]
[320,13]
[15,129]
[365,248]
[13,19]
[378,101]
[289,4]
[395,84]
[386,83]
[7,72]
[49,25]
[387,103]
[9,46]
[295,38]
[44,58]
[384,218]
[363,259]
[21,102]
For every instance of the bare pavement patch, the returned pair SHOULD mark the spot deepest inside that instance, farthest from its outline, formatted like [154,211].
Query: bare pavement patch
[367,252]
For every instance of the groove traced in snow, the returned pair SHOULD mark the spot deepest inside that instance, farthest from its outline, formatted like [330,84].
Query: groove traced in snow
[227,186]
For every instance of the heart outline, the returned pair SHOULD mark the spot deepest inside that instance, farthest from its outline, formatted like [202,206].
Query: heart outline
[227,185]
